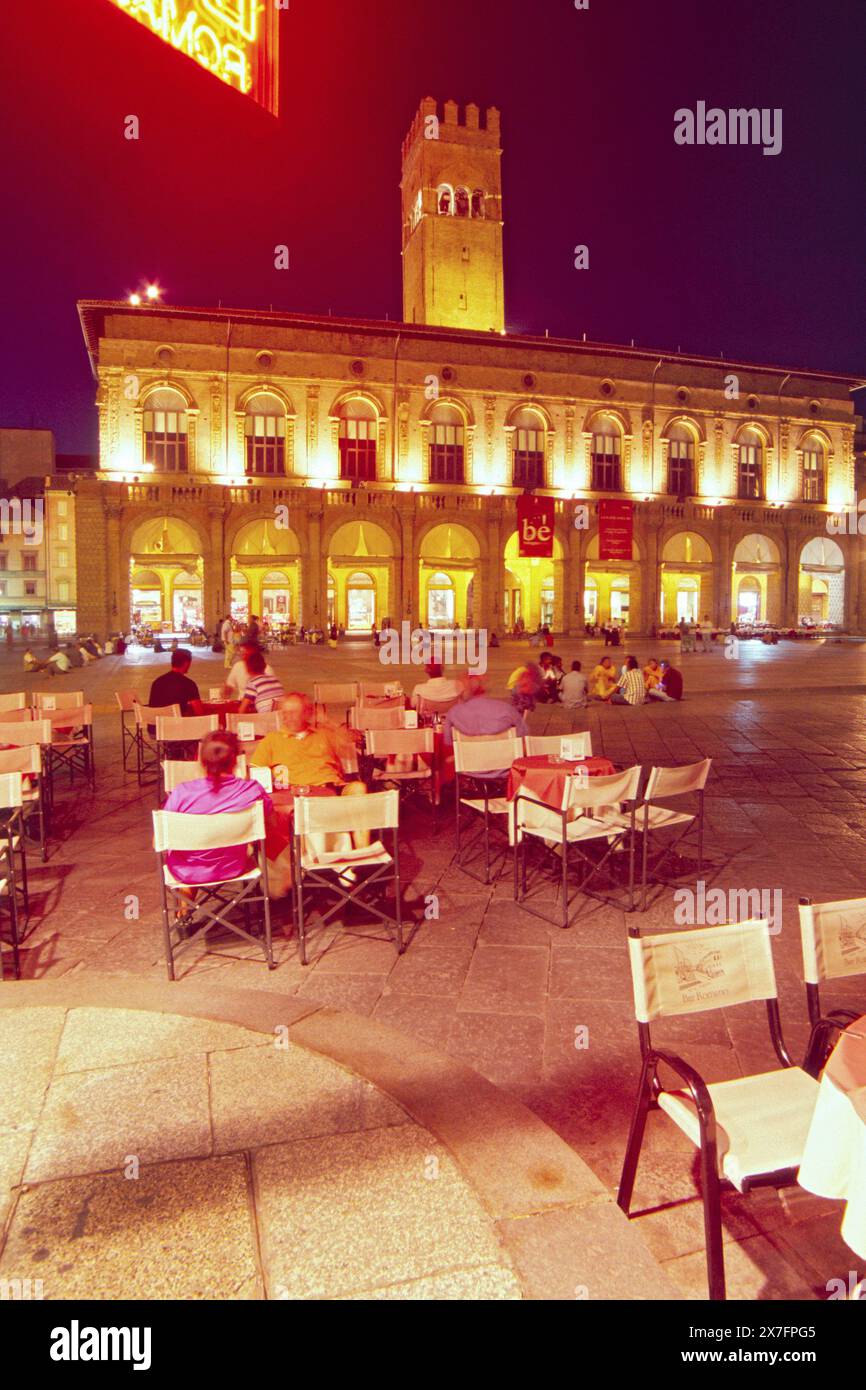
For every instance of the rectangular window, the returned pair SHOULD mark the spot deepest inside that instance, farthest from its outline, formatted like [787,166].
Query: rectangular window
[813,476]
[266,444]
[750,483]
[528,458]
[60,504]
[681,460]
[63,533]
[30,587]
[29,562]
[63,589]
[62,559]
[4,560]
[358,450]
[447,454]
[2,588]
[606,464]
[165,440]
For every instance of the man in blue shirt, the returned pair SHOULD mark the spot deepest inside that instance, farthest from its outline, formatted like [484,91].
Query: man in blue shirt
[478,714]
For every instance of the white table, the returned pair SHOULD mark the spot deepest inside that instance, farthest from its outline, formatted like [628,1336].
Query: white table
[834,1159]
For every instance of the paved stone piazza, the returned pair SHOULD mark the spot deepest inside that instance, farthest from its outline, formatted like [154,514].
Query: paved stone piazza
[486,985]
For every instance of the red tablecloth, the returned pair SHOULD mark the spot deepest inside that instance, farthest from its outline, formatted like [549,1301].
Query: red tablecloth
[221,708]
[546,779]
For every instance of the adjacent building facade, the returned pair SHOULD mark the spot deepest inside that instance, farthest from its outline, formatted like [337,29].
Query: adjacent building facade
[323,469]
[37,536]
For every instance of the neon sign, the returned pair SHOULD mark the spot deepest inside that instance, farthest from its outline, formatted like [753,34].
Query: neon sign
[236,40]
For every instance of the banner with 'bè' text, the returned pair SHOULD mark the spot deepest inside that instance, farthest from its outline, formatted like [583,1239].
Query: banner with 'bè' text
[535,520]
[615,529]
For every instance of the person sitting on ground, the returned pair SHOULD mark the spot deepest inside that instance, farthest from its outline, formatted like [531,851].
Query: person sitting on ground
[218,792]
[670,687]
[91,645]
[478,714]
[32,663]
[630,688]
[602,681]
[263,691]
[86,654]
[303,755]
[526,686]
[74,654]
[58,664]
[651,674]
[437,688]
[238,677]
[574,690]
[174,687]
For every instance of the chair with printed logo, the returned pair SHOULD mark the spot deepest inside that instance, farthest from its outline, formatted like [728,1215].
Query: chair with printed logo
[126,703]
[220,904]
[342,872]
[834,948]
[50,700]
[537,744]
[407,755]
[249,728]
[595,812]
[750,1131]
[147,757]
[23,748]
[481,767]
[177,735]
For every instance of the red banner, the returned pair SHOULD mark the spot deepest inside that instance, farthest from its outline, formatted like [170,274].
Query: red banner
[535,519]
[615,527]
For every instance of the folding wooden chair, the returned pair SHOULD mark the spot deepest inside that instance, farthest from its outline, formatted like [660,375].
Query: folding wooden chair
[535,745]
[50,700]
[480,785]
[175,772]
[434,711]
[28,761]
[364,719]
[668,783]
[12,845]
[751,1130]
[834,948]
[71,745]
[403,751]
[126,702]
[377,690]
[18,716]
[218,902]
[147,757]
[331,696]
[174,732]
[590,813]
[337,871]
[250,727]
[15,701]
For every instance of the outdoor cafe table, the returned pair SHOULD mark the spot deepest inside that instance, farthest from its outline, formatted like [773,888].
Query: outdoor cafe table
[221,708]
[545,777]
[834,1159]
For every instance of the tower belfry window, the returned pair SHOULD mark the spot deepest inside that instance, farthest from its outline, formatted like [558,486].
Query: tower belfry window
[478,203]
[461,202]
[445,201]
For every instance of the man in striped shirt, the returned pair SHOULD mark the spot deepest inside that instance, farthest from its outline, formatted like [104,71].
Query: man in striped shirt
[263,690]
[630,688]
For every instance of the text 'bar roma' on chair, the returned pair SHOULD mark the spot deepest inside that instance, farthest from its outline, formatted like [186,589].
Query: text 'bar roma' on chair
[217,903]
[340,871]
[751,1130]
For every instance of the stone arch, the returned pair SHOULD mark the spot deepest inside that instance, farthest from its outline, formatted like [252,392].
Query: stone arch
[690,422]
[821,581]
[165,383]
[453,548]
[248,531]
[264,388]
[541,411]
[356,393]
[815,430]
[757,579]
[185,537]
[454,400]
[615,413]
[697,531]
[534,588]
[355,545]
[687,576]
[759,427]
[456,522]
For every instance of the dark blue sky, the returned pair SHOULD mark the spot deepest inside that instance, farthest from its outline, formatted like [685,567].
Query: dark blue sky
[712,249]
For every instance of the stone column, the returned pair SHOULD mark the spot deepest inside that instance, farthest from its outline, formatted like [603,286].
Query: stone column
[91,557]
[410,607]
[789,545]
[118,581]
[650,573]
[724,573]
[216,581]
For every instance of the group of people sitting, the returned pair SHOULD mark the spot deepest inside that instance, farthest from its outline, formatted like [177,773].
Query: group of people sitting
[251,682]
[658,680]
[78,653]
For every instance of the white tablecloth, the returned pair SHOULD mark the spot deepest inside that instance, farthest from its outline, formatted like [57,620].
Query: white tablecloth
[834,1159]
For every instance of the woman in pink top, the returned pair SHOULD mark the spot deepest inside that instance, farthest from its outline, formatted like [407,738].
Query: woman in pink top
[219,791]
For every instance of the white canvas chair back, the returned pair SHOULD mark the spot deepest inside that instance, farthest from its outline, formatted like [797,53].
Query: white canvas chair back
[329,815]
[126,699]
[26,760]
[179,830]
[262,775]
[435,709]
[834,939]
[677,781]
[179,730]
[22,735]
[260,724]
[148,714]
[176,772]
[687,972]
[388,743]
[17,716]
[61,699]
[11,790]
[486,754]
[366,719]
[17,700]
[537,744]
[70,717]
[590,793]
[335,692]
[376,689]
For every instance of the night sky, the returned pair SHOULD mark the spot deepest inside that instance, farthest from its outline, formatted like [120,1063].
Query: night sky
[709,249]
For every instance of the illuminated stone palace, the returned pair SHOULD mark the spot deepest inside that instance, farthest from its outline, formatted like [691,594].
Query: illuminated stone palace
[323,469]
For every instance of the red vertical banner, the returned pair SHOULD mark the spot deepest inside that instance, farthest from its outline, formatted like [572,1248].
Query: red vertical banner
[615,530]
[535,521]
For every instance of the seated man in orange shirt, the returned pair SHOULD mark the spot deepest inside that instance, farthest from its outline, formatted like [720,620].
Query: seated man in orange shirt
[301,755]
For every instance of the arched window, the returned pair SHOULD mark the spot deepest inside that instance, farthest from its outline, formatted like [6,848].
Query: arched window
[606,457]
[528,450]
[750,467]
[445,200]
[265,434]
[477,203]
[814,470]
[681,462]
[461,202]
[446,445]
[165,432]
[358,442]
